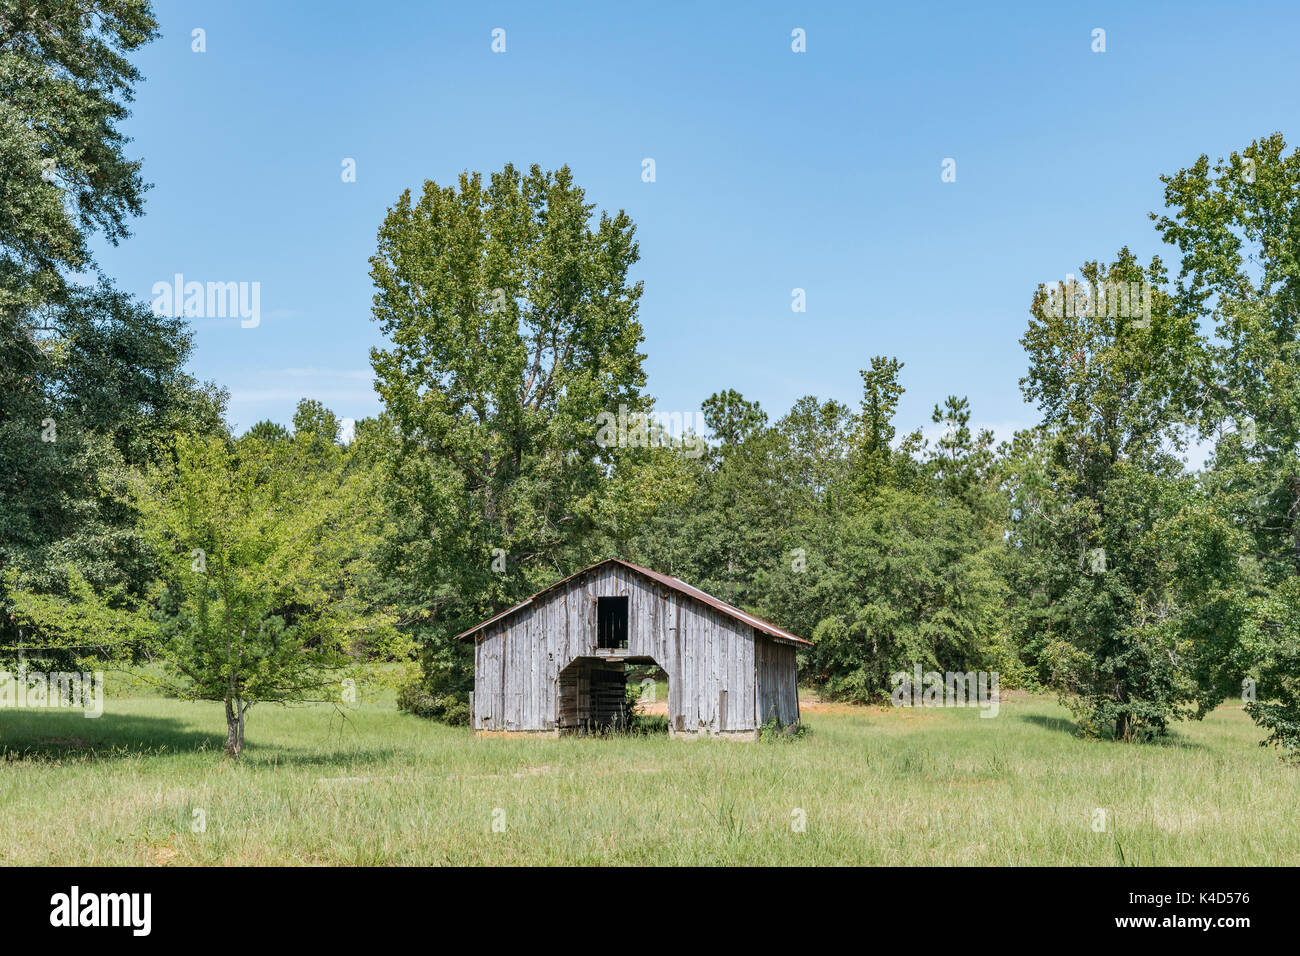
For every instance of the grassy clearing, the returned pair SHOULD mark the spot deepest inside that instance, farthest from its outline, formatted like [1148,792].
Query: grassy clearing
[877,787]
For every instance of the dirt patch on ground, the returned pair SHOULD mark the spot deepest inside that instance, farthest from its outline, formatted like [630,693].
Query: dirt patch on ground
[810,703]
[163,855]
[815,705]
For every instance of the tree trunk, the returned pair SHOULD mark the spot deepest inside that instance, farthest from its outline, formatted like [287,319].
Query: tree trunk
[1121,727]
[1124,721]
[234,728]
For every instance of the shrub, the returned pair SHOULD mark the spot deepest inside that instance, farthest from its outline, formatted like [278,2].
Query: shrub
[774,731]
[412,698]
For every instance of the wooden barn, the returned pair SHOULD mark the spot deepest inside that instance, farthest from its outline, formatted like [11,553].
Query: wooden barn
[558,662]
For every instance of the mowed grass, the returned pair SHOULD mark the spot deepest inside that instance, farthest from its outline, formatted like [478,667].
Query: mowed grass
[873,786]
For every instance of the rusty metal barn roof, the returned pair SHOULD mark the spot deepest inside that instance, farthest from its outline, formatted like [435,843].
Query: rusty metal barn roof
[679,586]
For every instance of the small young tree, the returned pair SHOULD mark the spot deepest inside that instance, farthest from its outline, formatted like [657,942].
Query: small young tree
[259,543]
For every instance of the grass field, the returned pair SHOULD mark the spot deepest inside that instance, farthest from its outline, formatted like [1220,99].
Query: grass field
[874,786]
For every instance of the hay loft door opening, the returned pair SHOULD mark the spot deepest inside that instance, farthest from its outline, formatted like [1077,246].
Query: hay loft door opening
[611,622]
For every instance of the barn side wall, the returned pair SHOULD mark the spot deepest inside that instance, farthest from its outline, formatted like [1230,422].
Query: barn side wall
[778,681]
[710,658]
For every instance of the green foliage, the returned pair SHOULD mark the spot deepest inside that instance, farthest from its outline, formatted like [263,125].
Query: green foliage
[313,418]
[412,698]
[92,398]
[262,546]
[718,532]
[732,419]
[873,452]
[1138,571]
[907,582]
[779,523]
[1234,223]
[267,431]
[88,625]
[65,82]
[511,326]
[92,383]
[773,732]
[1272,642]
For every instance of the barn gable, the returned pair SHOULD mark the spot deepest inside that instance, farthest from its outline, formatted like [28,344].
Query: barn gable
[541,666]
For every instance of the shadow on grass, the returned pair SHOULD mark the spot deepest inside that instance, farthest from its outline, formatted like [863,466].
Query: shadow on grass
[286,757]
[1061,725]
[62,735]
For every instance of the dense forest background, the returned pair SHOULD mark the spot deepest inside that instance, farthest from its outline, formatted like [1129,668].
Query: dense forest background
[1083,556]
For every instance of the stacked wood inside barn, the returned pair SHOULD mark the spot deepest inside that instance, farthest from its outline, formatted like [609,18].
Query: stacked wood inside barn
[593,697]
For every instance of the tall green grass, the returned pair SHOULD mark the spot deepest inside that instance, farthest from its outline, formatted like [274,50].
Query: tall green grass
[372,786]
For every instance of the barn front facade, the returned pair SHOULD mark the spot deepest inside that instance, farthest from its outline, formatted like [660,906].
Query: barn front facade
[558,662]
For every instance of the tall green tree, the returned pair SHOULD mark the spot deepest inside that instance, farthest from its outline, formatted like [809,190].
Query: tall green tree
[511,326]
[65,85]
[815,438]
[903,581]
[1125,638]
[312,417]
[92,384]
[1032,620]
[962,462]
[896,567]
[1236,224]
[97,394]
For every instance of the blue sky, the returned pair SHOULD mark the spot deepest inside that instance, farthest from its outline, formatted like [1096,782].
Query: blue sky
[774,170]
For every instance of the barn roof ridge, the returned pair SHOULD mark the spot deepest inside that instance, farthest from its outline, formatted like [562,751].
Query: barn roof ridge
[675,583]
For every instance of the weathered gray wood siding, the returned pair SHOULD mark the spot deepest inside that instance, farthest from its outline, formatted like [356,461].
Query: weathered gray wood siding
[778,681]
[710,658]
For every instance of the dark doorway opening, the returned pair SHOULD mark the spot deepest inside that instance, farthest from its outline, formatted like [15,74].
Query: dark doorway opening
[611,622]
[600,696]
[593,696]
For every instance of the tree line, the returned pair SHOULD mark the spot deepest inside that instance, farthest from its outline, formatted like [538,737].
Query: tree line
[1081,556]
